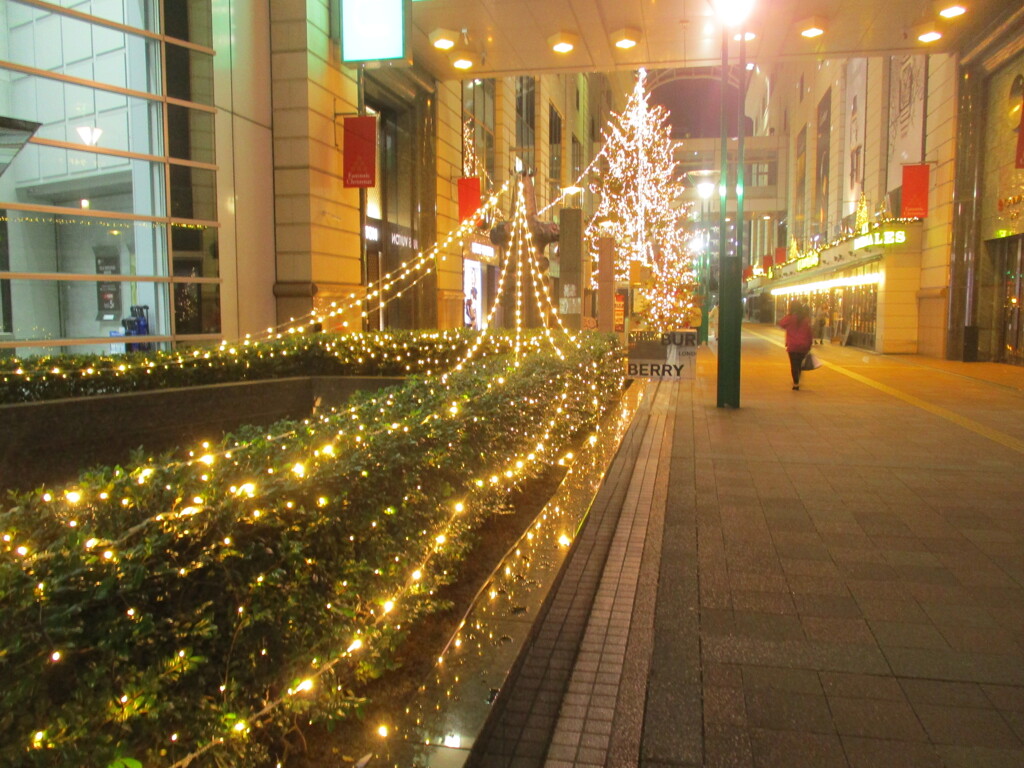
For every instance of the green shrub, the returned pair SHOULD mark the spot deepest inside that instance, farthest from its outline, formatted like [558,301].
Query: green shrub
[190,600]
[394,353]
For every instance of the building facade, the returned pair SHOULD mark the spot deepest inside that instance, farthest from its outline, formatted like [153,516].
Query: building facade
[184,183]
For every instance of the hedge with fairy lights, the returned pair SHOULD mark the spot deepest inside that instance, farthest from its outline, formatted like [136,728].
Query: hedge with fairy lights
[392,353]
[192,611]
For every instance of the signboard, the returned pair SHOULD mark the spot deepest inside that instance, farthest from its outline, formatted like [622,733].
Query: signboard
[469,197]
[108,292]
[886,237]
[373,30]
[662,356]
[619,312]
[914,200]
[359,161]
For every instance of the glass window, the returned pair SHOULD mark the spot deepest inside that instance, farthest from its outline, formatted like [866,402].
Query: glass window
[86,116]
[193,193]
[189,75]
[70,46]
[554,144]
[141,14]
[189,20]
[190,134]
[526,91]
[40,242]
[69,178]
[85,309]
[196,308]
[194,249]
[478,109]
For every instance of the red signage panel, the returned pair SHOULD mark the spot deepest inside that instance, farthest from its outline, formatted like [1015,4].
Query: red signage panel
[359,159]
[915,191]
[469,197]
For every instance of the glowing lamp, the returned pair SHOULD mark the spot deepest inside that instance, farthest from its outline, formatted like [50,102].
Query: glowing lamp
[563,42]
[443,39]
[949,10]
[464,60]
[626,38]
[812,27]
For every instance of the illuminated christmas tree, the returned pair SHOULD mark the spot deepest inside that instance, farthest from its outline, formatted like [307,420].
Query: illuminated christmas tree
[636,192]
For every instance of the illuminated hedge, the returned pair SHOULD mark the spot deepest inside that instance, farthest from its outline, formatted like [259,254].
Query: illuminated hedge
[174,609]
[394,353]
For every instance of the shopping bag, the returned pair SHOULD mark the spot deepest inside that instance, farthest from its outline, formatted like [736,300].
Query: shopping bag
[810,362]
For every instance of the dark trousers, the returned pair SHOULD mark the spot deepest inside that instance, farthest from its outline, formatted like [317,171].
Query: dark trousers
[796,360]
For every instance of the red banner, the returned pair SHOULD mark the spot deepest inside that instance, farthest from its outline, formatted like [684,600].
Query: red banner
[748,272]
[469,197]
[780,255]
[915,191]
[767,262]
[1020,138]
[359,159]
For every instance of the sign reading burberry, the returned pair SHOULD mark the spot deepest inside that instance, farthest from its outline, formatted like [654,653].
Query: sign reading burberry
[671,355]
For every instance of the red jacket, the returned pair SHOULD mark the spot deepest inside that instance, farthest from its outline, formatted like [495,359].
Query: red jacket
[799,333]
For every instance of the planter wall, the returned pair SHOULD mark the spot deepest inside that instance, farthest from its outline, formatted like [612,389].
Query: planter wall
[53,441]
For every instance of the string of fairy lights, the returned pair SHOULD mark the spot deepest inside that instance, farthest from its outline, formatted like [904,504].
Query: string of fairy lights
[207,465]
[68,507]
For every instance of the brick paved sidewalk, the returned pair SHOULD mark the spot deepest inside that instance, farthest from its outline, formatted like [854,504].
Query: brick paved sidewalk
[829,577]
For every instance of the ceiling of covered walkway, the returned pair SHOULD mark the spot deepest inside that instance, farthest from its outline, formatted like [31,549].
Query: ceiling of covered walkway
[514,36]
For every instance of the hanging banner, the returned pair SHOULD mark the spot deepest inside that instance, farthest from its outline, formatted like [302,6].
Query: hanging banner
[767,262]
[906,114]
[469,197]
[780,255]
[359,161]
[1020,139]
[915,192]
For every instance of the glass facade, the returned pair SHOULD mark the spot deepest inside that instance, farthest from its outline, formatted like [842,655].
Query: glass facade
[112,205]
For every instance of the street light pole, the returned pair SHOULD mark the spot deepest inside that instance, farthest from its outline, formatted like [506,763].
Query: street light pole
[730,280]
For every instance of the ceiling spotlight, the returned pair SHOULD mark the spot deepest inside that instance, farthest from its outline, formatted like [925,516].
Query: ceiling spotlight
[812,27]
[626,38]
[927,33]
[463,59]
[563,42]
[444,39]
[949,10]
[747,36]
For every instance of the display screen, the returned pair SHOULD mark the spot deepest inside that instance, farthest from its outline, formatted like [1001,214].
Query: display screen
[373,30]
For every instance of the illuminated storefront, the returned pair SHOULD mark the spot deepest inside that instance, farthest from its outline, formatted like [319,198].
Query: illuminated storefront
[865,287]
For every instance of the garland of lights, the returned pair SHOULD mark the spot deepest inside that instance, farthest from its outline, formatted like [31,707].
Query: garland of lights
[338,437]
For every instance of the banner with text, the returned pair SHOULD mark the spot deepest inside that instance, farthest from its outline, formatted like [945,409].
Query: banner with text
[671,355]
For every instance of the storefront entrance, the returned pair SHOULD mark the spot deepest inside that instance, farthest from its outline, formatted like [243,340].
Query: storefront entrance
[1008,255]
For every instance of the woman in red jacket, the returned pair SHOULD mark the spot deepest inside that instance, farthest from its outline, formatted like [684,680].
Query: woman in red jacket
[799,337]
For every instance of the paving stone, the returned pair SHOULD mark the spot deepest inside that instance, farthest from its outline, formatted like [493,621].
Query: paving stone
[784,711]
[876,718]
[785,749]
[888,753]
[966,726]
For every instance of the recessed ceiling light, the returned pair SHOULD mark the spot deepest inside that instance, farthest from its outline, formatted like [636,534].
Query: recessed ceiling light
[626,38]
[927,33]
[812,27]
[463,59]
[949,10]
[444,39]
[563,42]
[748,36]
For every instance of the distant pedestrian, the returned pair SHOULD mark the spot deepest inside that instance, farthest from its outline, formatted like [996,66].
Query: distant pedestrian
[820,321]
[713,321]
[799,337]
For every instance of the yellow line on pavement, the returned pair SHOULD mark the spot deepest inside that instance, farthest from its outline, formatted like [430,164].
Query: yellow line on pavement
[979,429]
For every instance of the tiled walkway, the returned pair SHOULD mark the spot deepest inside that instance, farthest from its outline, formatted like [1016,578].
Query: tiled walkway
[829,577]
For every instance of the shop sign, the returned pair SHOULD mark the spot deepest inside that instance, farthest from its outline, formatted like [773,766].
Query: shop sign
[619,312]
[359,158]
[671,355]
[483,251]
[401,237]
[887,237]
[810,261]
